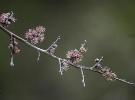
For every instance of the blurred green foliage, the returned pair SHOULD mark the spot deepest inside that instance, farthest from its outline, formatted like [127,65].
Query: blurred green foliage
[107,25]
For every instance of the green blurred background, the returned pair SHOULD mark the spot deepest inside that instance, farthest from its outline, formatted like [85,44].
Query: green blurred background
[109,28]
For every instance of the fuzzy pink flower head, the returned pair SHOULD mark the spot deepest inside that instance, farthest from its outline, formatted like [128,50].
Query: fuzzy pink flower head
[7,18]
[36,35]
[74,56]
[108,74]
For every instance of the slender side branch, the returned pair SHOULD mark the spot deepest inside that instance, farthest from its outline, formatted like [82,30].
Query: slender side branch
[123,80]
[65,61]
[38,56]
[54,43]
[83,80]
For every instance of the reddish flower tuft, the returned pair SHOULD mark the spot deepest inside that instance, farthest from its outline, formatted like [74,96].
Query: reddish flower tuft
[108,74]
[7,18]
[74,56]
[35,35]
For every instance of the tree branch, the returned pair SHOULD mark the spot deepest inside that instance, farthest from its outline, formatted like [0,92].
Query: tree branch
[58,58]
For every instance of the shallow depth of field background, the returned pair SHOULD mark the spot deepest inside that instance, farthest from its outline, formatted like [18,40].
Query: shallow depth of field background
[107,25]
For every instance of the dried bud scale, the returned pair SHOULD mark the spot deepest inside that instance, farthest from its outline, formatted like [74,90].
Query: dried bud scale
[97,60]
[13,46]
[97,64]
[51,50]
[82,48]
[63,64]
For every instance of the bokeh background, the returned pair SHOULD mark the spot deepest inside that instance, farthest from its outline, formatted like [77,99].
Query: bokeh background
[107,25]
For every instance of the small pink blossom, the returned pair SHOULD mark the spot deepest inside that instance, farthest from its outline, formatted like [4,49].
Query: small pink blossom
[35,35]
[108,74]
[7,18]
[75,56]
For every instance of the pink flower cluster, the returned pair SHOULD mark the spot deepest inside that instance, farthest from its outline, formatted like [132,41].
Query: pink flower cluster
[108,74]
[7,18]
[35,35]
[74,56]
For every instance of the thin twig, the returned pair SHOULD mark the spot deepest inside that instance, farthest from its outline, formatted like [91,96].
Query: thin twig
[60,69]
[55,42]
[38,56]
[124,81]
[12,60]
[83,80]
